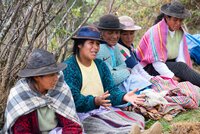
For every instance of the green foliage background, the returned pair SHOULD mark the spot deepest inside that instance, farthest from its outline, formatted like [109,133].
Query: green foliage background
[144,12]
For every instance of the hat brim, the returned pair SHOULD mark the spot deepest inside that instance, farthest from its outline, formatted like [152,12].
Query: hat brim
[42,71]
[132,28]
[183,15]
[121,26]
[86,38]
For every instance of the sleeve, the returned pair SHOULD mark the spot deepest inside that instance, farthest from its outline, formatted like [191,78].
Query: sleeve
[72,77]
[25,124]
[162,69]
[116,95]
[120,72]
[181,53]
[138,68]
[68,126]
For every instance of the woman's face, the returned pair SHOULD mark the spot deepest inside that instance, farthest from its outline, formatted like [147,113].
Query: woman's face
[174,23]
[111,36]
[46,82]
[89,49]
[127,37]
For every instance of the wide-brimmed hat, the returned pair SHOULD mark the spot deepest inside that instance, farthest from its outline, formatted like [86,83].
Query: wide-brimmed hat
[109,22]
[41,62]
[88,32]
[175,9]
[128,23]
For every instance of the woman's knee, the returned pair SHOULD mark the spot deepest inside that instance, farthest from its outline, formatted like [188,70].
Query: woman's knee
[181,65]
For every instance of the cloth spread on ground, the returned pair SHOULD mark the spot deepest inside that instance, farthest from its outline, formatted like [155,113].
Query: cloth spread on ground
[152,46]
[167,98]
[182,93]
[22,100]
[110,121]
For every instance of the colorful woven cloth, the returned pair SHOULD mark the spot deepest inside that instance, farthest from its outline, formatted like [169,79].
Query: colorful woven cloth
[183,93]
[112,122]
[23,100]
[176,97]
[152,46]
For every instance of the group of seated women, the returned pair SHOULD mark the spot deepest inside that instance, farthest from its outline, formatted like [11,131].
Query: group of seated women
[106,84]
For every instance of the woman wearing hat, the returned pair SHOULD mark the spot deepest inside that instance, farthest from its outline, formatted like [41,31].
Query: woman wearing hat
[158,83]
[163,49]
[110,28]
[126,46]
[94,91]
[41,102]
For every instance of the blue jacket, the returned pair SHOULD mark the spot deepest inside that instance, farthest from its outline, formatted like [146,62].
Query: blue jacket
[73,78]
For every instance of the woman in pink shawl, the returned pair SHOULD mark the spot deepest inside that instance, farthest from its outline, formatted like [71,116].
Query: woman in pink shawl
[163,49]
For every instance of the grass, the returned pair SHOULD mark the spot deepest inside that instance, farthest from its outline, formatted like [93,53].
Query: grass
[188,116]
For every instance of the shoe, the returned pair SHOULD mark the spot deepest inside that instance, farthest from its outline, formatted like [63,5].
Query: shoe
[156,128]
[135,129]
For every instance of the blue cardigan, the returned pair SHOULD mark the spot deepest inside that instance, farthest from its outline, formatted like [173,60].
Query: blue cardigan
[115,63]
[73,78]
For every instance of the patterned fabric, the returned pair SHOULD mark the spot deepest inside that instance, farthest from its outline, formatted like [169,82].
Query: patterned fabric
[178,95]
[152,46]
[23,100]
[128,56]
[119,71]
[73,78]
[112,122]
[183,93]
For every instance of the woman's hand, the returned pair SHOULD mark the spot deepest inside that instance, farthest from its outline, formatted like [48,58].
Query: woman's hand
[176,78]
[102,101]
[129,108]
[133,98]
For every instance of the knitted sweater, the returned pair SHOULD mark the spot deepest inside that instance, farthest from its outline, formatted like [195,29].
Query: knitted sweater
[73,78]
[119,72]
[28,124]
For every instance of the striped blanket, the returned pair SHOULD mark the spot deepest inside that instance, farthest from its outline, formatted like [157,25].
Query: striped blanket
[176,97]
[152,46]
[22,100]
[112,122]
[183,93]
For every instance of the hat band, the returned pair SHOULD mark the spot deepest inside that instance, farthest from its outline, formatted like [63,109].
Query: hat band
[88,34]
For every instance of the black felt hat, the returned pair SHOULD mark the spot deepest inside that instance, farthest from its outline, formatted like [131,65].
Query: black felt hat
[175,9]
[109,22]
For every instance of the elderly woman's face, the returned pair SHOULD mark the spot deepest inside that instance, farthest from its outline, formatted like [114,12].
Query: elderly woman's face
[127,37]
[111,36]
[46,82]
[174,23]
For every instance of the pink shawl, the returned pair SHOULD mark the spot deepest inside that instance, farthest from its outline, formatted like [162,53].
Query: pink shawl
[152,46]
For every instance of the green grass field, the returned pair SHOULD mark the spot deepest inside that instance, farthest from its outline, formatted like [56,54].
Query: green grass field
[188,116]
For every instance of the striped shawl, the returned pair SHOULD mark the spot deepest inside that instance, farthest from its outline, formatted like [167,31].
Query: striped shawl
[152,46]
